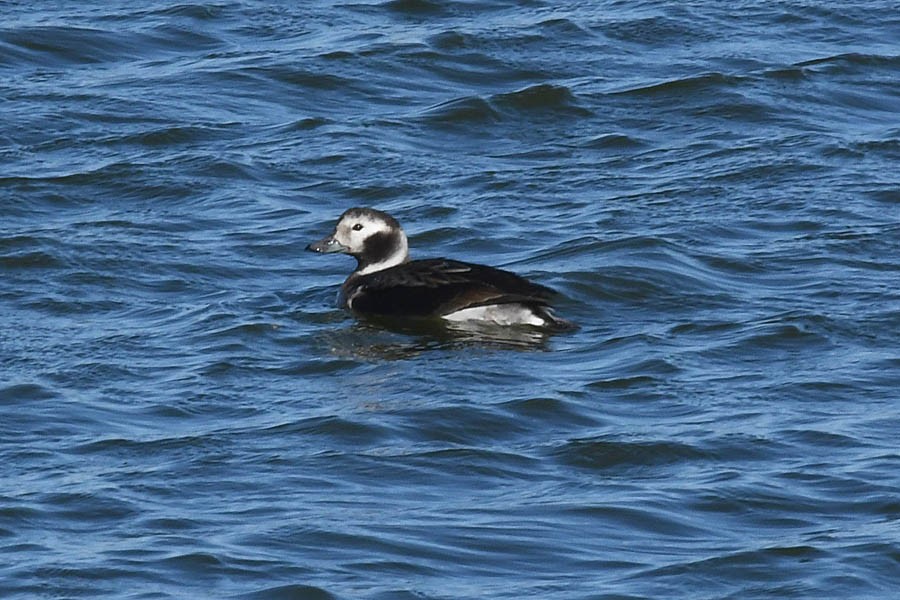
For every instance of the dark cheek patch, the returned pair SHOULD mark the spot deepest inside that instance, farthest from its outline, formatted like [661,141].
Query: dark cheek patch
[379,247]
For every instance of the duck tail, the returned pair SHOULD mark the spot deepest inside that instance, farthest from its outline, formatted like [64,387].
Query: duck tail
[553,322]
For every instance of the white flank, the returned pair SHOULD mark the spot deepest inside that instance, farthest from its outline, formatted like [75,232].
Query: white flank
[501,314]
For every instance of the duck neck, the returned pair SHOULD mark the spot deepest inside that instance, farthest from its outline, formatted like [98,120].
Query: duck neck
[381,255]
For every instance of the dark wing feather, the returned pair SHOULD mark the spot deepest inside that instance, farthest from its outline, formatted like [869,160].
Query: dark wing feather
[440,286]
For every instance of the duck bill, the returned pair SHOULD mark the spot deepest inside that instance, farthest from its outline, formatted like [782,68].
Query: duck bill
[327,245]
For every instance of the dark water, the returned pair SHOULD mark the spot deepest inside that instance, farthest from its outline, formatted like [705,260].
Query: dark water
[713,187]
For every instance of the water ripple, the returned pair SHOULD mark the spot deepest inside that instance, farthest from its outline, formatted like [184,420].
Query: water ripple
[186,412]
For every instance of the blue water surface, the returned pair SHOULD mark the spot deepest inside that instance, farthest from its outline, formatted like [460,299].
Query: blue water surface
[712,187]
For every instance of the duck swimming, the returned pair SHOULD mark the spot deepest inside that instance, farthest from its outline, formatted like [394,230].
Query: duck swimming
[386,283]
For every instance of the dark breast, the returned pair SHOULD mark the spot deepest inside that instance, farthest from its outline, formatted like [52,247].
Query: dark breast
[426,288]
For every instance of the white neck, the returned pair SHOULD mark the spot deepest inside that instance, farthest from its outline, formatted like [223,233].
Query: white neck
[397,258]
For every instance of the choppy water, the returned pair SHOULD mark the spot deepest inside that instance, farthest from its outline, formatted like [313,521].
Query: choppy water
[712,186]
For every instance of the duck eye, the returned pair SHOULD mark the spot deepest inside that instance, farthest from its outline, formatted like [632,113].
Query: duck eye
[357,227]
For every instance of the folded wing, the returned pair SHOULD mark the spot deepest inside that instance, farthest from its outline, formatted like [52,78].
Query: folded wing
[440,286]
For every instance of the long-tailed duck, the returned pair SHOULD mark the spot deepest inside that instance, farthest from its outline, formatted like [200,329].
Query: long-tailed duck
[386,283]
